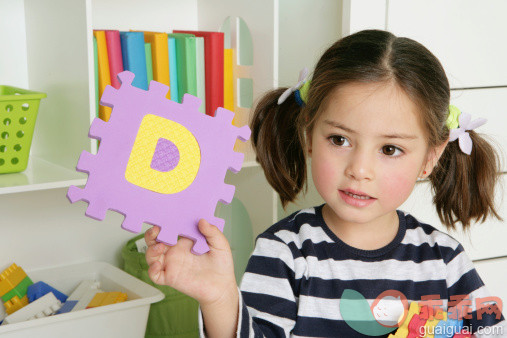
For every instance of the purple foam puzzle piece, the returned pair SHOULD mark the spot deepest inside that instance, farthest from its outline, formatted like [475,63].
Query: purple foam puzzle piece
[176,214]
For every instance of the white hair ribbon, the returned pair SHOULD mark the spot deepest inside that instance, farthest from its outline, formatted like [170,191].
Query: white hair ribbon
[460,133]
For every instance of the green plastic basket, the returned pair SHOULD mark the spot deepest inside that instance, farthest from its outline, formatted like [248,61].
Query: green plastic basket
[18,112]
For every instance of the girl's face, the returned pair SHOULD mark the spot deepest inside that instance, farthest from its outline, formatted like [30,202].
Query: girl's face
[368,148]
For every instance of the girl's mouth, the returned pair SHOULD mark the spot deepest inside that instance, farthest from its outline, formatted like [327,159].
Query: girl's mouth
[362,197]
[356,198]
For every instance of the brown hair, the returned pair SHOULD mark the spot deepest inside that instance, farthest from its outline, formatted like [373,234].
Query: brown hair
[463,185]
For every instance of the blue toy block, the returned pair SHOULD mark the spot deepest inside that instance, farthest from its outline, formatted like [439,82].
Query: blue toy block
[67,306]
[39,289]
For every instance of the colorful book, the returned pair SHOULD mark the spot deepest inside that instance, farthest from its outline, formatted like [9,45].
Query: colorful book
[228,79]
[185,58]
[173,69]
[149,65]
[104,74]
[159,57]
[114,56]
[214,59]
[200,73]
[134,57]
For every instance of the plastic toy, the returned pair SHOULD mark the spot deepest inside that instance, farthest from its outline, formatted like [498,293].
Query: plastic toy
[15,303]
[416,327]
[160,162]
[82,294]
[85,299]
[448,327]
[42,307]
[107,298]
[430,325]
[18,114]
[403,330]
[39,289]
[13,286]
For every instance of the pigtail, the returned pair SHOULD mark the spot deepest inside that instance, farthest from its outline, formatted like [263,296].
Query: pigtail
[464,185]
[277,144]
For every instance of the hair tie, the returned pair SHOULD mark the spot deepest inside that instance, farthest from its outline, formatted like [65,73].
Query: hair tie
[302,76]
[299,99]
[458,124]
[303,92]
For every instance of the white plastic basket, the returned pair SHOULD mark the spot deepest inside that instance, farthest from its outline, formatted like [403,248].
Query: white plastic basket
[127,319]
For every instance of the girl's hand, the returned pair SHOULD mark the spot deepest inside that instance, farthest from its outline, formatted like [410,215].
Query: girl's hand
[208,278]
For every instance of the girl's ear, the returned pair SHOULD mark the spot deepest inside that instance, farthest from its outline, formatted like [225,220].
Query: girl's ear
[432,159]
[309,144]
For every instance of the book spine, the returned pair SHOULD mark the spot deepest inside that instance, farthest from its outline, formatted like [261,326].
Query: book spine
[173,69]
[190,66]
[149,64]
[104,74]
[114,56]
[228,80]
[134,57]
[216,73]
[200,73]
[97,92]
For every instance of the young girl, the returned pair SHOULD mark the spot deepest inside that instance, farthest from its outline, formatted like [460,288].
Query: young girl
[373,120]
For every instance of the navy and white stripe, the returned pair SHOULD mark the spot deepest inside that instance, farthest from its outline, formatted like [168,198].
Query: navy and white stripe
[300,268]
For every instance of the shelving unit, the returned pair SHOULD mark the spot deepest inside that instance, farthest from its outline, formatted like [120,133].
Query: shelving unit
[40,175]
[59,54]
[53,41]
[54,54]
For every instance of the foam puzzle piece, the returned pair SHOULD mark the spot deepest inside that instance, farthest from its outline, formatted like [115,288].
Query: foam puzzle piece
[193,155]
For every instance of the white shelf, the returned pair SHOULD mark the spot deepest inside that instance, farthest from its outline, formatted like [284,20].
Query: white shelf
[40,175]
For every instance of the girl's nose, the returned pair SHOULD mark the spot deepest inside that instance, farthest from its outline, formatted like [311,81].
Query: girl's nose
[360,166]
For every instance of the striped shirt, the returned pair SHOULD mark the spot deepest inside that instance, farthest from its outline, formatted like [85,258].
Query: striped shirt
[297,275]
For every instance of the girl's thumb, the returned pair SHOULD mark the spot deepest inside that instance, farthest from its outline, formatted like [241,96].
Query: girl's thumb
[214,236]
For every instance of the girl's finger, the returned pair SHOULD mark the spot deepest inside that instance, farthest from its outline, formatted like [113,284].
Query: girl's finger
[214,236]
[151,235]
[154,252]
[185,244]
[155,273]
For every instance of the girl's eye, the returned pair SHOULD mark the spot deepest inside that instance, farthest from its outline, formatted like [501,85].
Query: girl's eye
[391,150]
[338,140]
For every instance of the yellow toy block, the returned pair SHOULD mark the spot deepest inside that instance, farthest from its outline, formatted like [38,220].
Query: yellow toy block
[10,278]
[402,331]
[14,304]
[106,298]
